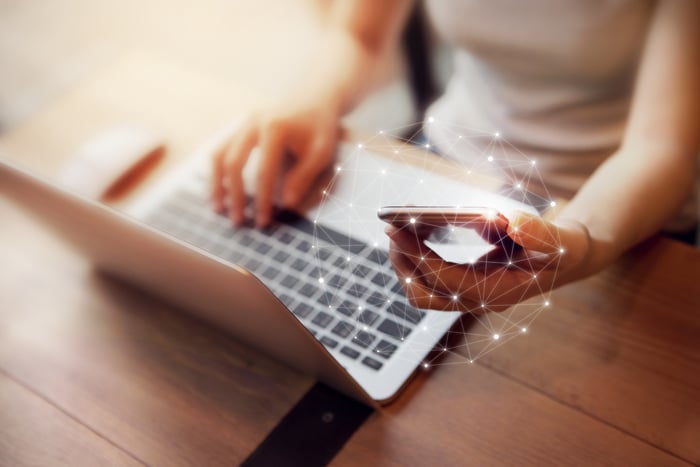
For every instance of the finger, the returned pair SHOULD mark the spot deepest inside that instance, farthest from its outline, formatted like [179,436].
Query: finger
[217,180]
[423,293]
[534,233]
[307,169]
[272,152]
[433,268]
[234,163]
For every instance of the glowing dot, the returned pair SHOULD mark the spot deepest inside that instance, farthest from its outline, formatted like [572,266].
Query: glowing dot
[421,180]
[483,305]
[445,349]
[455,297]
[427,146]
[472,261]
[431,119]
[359,146]
[553,203]
[381,132]
[431,295]
[347,259]
[561,250]
[534,276]
[510,263]
[324,192]
[523,330]
[459,137]
[364,328]
[519,186]
[491,214]
[515,228]
[471,361]
[383,172]
[533,162]
[402,339]
[425,328]
[425,365]
[359,308]
[469,172]
[408,280]
[496,337]
[337,169]
[349,205]
[321,280]
[396,151]
[497,135]
[452,229]
[413,220]
[490,158]
[376,244]
[315,221]
[546,303]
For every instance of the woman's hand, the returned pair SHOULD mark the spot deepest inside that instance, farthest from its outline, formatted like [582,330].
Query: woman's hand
[306,134]
[551,255]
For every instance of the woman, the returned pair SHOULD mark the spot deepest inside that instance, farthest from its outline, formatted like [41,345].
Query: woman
[605,93]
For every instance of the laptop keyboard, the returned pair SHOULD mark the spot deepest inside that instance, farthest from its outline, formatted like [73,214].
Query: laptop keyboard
[342,289]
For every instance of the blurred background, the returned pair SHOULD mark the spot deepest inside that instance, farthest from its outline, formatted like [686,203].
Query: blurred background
[49,47]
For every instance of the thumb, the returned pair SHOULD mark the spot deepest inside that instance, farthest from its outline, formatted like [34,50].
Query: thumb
[534,233]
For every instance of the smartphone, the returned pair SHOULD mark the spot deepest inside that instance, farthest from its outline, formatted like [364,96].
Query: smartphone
[488,222]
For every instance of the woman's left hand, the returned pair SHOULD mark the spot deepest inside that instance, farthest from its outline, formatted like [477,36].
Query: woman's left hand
[551,255]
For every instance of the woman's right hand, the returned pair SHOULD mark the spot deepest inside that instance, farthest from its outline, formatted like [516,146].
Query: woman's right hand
[306,134]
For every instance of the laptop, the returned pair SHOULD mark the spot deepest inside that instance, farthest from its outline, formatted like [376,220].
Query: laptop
[315,290]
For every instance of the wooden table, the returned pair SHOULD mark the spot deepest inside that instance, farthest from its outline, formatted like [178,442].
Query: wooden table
[93,371]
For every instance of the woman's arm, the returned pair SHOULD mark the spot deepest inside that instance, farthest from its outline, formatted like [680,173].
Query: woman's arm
[638,189]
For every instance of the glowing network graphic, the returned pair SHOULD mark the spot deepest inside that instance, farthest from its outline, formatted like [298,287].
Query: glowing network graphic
[453,266]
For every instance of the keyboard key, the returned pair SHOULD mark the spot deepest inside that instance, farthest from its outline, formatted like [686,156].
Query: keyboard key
[385,349]
[394,329]
[367,317]
[326,298]
[343,329]
[363,339]
[372,363]
[347,308]
[286,299]
[361,270]
[304,246]
[270,273]
[286,238]
[246,240]
[377,299]
[378,256]
[253,264]
[328,342]
[308,290]
[281,256]
[289,281]
[324,253]
[322,319]
[339,262]
[357,290]
[263,248]
[299,264]
[337,281]
[302,310]
[352,353]
[398,289]
[381,279]
[406,312]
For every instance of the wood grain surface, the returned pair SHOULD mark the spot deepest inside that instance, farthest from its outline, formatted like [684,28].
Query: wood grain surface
[93,371]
